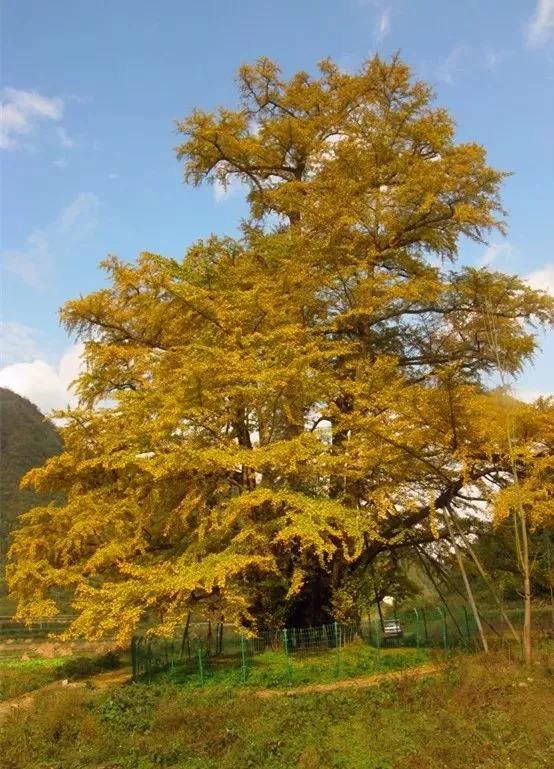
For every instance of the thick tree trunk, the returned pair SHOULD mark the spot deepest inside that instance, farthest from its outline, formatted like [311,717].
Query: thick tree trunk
[377,598]
[312,607]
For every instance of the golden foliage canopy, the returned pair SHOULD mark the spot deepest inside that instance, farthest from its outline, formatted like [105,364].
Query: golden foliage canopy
[270,412]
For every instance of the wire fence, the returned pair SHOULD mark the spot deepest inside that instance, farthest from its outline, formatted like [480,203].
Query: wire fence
[201,649]
[11,629]
[218,651]
[329,651]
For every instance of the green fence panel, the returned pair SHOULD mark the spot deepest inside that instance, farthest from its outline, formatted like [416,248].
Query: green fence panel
[243,666]
[200,654]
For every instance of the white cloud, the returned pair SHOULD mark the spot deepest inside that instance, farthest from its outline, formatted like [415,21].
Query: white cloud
[383,25]
[46,385]
[492,58]
[73,225]
[60,163]
[19,342]
[529,396]
[77,211]
[253,126]
[493,251]
[470,58]
[543,278]
[448,67]
[113,176]
[347,62]
[541,27]
[21,111]
[65,140]
[231,189]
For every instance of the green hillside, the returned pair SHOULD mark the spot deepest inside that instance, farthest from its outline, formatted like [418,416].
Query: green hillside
[27,439]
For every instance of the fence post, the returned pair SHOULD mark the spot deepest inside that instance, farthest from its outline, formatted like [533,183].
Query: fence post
[243,659]
[417,626]
[134,657]
[200,666]
[286,650]
[337,646]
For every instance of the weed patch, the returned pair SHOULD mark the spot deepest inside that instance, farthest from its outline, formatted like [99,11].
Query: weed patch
[485,713]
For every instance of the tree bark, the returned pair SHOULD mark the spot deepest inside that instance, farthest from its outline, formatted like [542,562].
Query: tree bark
[377,599]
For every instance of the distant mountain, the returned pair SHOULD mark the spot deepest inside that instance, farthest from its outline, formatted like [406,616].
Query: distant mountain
[27,439]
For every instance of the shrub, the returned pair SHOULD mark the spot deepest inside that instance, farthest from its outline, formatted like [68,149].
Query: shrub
[82,667]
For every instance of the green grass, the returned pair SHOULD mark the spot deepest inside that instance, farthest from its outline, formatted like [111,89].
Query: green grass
[272,669]
[19,676]
[480,713]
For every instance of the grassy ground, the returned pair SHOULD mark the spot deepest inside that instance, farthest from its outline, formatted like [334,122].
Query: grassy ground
[480,713]
[270,669]
[18,676]
[273,669]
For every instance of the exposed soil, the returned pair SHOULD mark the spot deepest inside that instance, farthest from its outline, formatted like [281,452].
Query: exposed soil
[118,677]
[49,649]
[99,681]
[352,683]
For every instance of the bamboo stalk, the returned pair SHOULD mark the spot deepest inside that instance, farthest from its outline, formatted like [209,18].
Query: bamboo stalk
[483,574]
[520,521]
[437,588]
[469,592]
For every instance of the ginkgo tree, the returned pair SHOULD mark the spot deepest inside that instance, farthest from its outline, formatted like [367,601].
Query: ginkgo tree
[258,421]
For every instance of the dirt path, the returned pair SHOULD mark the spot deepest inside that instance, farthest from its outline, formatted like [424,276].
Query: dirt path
[353,683]
[117,677]
[100,681]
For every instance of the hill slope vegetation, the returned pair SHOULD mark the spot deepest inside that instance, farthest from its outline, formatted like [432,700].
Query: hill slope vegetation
[27,439]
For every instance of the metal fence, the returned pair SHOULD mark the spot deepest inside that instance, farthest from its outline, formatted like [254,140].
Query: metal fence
[204,652]
[437,627]
[207,650]
[14,630]
[198,653]
[453,627]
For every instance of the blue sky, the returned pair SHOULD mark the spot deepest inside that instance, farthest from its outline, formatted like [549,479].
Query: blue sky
[91,91]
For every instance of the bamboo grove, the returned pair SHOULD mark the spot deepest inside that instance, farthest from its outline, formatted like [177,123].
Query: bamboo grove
[262,419]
